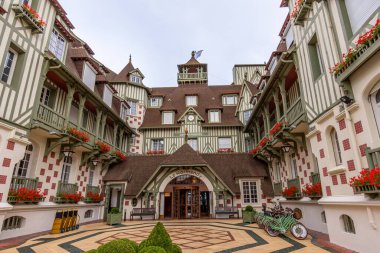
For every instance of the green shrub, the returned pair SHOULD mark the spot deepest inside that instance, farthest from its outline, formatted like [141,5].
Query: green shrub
[158,237]
[152,249]
[132,243]
[248,209]
[92,251]
[114,210]
[116,246]
[174,249]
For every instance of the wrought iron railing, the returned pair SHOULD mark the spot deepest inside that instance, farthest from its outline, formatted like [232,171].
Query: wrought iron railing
[294,182]
[50,117]
[315,178]
[277,187]
[184,76]
[93,189]
[22,182]
[373,157]
[66,188]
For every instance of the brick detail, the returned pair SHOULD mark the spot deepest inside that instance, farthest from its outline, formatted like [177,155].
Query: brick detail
[358,127]
[51,198]
[321,153]
[343,178]
[1,196]
[342,124]
[52,154]
[303,160]
[346,144]
[42,172]
[328,190]
[46,192]
[3,179]
[57,162]
[127,202]
[334,179]
[302,181]
[7,162]
[45,159]
[362,149]
[305,173]
[39,185]
[10,145]
[50,167]
[238,205]
[319,137]
[351,165]
[308,166]
[48,178]
[53,185]
[299,168]
[55,174]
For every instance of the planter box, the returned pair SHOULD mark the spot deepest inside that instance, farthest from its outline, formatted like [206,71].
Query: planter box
[370,190]
[114,218]
[13,201]
[248,217]
[293,198]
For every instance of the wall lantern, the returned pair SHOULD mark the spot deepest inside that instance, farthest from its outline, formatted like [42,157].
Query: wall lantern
[68,152]
[286,147]
[346,99]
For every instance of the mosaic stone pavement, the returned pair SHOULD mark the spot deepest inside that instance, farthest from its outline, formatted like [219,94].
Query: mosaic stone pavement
[195,236]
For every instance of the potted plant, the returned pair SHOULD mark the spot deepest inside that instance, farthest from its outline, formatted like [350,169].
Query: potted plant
[313,191]
[114,216]
[249,214]
[367,182]
[291,193]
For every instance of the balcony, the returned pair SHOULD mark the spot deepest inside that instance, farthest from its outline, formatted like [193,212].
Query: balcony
[23,182]
[373,158]
[295,112]
[296,183]
[93,194]
[315,178]
[24,191]
[66,189]
[300,11]
[50,118]
[277,187]
[192,76]
[30,16]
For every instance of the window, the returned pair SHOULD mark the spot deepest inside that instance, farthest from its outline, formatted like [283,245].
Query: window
[123,111]
[13,222]
[45,96]
[248,144]
[133,108]
[157,145]
[315,58]
[347,223]
[230,100]
[88,214]
[359,12]
[74,111]
[57,44]
[224,143]
[323,217]
[193,142]
[9,66]
[91,177]
[22,167]
[246,115]
[67,161]
[277,172]
[288,36]
[135,79]
[375,100]
[132,140]
[293,164]
[89,76]
[191,100]
[167,118]
[336,147]
[107,95]
[249,192]
[214,116]
[154,102]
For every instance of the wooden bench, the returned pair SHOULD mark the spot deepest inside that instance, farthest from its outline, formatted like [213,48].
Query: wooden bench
[143,212]
[227,210]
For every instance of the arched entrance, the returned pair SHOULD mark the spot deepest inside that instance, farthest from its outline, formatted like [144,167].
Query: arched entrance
[186,197]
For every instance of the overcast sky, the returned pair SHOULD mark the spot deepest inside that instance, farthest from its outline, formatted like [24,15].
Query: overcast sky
[162,33]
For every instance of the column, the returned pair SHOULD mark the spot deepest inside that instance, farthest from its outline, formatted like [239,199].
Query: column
[82,100]
[162,205]
[115,128]
[121,143]
[277,104]
[267,119]
[98,119]
[102,125]
[69,100]
[284,102]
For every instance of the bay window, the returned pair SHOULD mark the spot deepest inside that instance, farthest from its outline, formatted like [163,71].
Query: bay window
[133,108]
[107,95]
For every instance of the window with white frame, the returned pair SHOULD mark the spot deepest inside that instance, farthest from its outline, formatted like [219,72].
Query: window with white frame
[57,44]
[193,142]
[45,96]
[293,165]
[123,111]
[359,12]
[230,99]
[132,108]
[214,116]
[67,162]
[250,192]
[22,167]
[191,100]
[154,102]
[157,145]
[135,79]
[167,118]
[246,115]
[91,177]
[336,147]
[132,140]
[107,95]
[225,143]
[347,224]
[9,66]
[89,76]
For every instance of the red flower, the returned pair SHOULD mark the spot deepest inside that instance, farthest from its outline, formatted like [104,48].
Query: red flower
[94,197]
[312,190]
[71,197]
[120,155]
[263,142]
[297,8]
[367,177]
[290,192]
[24,194]
[276,128]
[83,136]
[255,150]
[27,8]
[103,147]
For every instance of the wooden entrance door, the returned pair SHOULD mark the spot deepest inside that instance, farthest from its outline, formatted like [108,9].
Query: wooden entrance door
[186,203]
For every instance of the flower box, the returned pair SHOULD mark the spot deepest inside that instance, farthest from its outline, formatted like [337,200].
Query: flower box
[248,217]
[291,193]
[313,191]
[103,147]
[93,198]
[83,136]
[68,198]
[225,150]
[30,16]
[114,218]
[263,142]
[255,151]
[368,182]
[119,155]
[301,7]
[276,128]
[25,196]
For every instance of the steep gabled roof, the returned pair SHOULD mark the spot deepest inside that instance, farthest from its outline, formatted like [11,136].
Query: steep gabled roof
[184,156]
[123,75]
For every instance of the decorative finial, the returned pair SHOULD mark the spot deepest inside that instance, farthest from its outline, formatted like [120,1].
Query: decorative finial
[186,135]
[130,58]
[193,54]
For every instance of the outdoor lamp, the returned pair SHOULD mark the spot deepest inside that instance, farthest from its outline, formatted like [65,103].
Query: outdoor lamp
[95,162]
[346,99]
[286,147]
[67,152]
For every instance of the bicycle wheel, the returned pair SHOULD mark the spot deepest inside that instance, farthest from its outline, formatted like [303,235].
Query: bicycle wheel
[299,231]
[271,232]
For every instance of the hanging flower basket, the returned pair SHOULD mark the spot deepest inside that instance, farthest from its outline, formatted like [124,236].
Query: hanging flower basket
[83,136]
[313,191]
[297,7]
[103,147]
[119,155]
[255,151]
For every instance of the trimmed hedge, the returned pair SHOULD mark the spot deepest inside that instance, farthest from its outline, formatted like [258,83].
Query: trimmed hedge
[152,249]
[92,251]
[117,246]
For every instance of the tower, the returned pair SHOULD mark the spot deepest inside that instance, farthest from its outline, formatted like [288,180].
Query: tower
[192,72]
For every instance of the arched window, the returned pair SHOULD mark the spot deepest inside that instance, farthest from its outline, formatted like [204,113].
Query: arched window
[323,216]
[336,147]
[88,214]
[21,168]
[375,98]
[347,224]
[13,222]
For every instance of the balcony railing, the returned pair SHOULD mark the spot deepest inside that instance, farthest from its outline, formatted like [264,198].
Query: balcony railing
[50,117]
[66,188]
[192,76]
[373,157]
[295,111]
[30,16]
[93,189]
[277,187]
[22,182]
[294,182]
[300,14]
[315,178]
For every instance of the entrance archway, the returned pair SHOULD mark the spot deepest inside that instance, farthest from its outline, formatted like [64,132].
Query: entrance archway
[186,197]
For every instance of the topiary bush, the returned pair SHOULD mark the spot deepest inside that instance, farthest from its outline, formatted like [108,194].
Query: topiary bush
[248,209]
[132,243]
[174,249]
[92,251]
[152,249]
[115,210]
[117,246]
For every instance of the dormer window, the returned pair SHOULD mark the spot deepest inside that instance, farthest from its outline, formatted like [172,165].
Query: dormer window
[107,95]
[57,44]
[229,99]
[214,116]
[191,100]
[154,102]
[168,118]
[89,76]
[135,79]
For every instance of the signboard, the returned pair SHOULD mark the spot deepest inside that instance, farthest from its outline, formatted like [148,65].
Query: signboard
[185,172]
